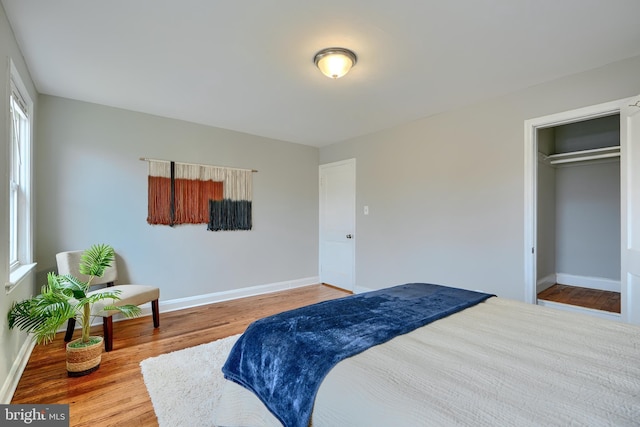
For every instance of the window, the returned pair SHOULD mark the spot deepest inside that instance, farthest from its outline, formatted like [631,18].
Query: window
[20,112]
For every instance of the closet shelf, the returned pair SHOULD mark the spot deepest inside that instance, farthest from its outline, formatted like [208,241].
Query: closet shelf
[584,155]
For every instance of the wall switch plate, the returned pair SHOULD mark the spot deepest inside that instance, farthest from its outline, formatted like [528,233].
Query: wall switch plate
[366,210]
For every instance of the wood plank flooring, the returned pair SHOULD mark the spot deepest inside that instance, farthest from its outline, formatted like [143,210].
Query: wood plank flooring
[115,395]
[583,297]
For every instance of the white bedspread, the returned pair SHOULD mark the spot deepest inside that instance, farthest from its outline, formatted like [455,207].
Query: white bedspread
[500,363]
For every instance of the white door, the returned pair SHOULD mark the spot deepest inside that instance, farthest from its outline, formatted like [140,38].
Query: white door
[630,221]
[337,223]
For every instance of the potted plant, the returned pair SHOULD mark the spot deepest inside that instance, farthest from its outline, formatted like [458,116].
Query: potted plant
[66,297]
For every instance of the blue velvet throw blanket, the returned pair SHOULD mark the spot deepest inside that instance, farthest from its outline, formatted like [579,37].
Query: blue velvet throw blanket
[284,358]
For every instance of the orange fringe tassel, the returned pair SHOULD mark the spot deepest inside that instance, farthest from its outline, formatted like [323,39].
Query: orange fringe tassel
[191,200]
[159,200]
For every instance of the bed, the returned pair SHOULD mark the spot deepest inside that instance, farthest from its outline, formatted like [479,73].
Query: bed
[499,362]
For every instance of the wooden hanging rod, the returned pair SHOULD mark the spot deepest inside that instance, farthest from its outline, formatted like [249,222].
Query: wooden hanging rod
[144,159]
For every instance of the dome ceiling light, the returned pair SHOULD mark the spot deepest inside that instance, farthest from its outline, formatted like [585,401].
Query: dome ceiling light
[335,62]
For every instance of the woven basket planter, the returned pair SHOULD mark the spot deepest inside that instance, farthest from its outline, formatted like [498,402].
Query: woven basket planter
[83,360]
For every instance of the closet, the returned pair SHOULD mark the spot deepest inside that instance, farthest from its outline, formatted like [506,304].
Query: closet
[578,206]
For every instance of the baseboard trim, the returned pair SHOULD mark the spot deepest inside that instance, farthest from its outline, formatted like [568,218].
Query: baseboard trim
[588,282]
[188,302]
[361,289]
[214,297]
[546,283]
[583,310]
[19,364]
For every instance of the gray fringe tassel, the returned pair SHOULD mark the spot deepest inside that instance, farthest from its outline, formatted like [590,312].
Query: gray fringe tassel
[229,215]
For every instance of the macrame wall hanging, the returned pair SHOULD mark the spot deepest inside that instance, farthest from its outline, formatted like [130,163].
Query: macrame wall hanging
[187,193]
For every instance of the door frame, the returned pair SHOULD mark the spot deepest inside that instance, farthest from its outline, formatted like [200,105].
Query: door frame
[531,127]
[351,162]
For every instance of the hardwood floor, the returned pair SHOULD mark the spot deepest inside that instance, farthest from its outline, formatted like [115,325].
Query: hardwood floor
[583,297]
[115,395]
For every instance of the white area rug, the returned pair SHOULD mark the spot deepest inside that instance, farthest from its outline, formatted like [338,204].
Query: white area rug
[185,385]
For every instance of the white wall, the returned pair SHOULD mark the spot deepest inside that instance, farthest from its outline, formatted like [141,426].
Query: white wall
[546,226]
[546,213]
[446,193]
[13,343]
[588,219]
[92,188]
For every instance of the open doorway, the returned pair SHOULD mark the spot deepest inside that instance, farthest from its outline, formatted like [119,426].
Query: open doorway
[560,138]
[578,215]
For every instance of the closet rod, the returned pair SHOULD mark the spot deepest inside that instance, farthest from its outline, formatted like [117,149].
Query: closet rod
[583,159]
[584,155]
[145,159]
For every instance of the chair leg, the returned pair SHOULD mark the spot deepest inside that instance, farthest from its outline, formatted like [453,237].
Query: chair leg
[71,325]
[107,328]
[156,313]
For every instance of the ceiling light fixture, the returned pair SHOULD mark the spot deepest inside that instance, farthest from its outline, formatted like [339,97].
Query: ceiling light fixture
[335,62]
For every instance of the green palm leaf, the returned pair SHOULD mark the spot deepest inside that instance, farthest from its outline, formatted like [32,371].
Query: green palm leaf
[71,285]
[102,295]
[20,316]
[96,259]
[127,310]
[40,317]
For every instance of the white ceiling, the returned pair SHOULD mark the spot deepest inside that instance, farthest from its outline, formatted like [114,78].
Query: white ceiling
[248,65]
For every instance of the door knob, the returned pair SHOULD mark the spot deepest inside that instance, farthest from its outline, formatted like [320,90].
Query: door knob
[349,236]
